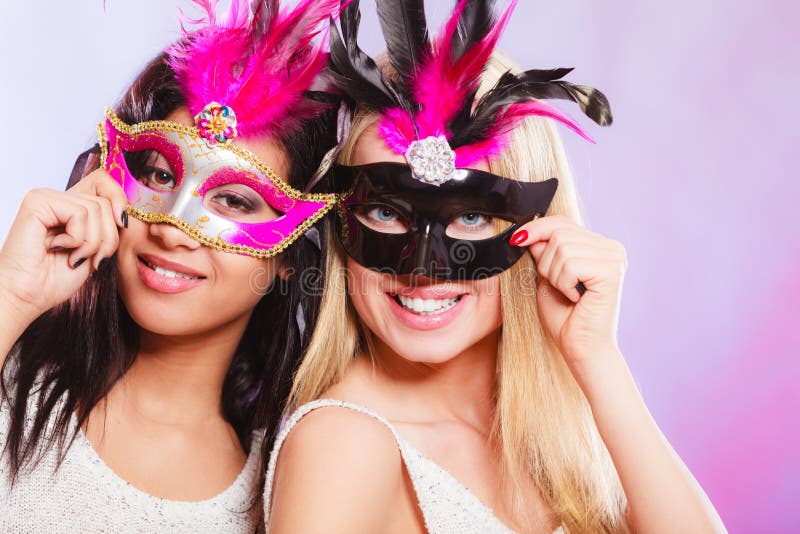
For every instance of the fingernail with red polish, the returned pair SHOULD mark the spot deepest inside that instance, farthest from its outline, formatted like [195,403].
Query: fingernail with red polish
[124,218]
[518,237]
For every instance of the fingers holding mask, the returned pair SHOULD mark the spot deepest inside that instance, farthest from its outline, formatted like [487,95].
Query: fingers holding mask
[107,209]
[573,259]
[78,226]
[100,184]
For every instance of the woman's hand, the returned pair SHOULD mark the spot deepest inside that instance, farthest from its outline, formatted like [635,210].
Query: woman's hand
[583,326]
[662,494]
[57,240]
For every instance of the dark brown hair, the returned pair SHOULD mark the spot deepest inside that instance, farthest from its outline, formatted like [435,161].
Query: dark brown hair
[68,359]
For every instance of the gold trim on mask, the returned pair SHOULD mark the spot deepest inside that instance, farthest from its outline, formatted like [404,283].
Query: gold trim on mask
[218,244]
[169,126]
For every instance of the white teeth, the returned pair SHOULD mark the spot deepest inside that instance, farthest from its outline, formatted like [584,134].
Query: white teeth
[427,306]
[168,273]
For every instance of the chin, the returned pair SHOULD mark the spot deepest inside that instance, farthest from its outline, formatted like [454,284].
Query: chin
[161,319]
[426,348]
[168,315]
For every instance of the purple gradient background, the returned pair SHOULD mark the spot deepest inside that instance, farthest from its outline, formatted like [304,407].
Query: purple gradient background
[694,178]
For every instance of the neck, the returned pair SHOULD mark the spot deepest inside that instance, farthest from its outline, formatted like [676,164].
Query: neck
[179,379]
[462,388]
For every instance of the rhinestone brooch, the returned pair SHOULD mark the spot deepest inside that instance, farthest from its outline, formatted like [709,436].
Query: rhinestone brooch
[431,160]
[216,124]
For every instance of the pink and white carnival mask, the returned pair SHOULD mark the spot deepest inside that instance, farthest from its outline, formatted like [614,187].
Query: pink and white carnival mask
[200,167]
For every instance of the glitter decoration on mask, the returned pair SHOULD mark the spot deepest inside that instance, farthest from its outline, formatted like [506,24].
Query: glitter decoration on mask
[431,160]
[216,124]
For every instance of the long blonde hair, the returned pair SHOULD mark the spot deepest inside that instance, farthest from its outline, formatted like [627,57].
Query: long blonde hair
[543,425]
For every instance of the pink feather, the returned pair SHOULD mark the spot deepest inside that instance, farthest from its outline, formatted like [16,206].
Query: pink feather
[442,86]
[258,61]
[397,129]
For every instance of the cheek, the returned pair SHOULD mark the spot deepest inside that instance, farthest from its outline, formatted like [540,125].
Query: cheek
[489,304]
[242,280]
[136,232]
[130,238]
[366,289]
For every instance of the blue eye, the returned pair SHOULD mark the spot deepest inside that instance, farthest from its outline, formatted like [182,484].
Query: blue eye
[474,219]
[383,214]
[474,226]
[382,218]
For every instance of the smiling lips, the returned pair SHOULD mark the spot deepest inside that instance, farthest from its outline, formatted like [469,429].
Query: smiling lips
[426,308]
[166,276]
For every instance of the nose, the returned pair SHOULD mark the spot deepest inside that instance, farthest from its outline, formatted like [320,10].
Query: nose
[431,255]
[172,237]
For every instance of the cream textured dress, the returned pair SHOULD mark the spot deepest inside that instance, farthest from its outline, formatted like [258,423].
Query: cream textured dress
[84,495]
[447,506]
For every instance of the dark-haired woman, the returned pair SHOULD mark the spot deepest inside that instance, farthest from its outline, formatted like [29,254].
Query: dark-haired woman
[152,314]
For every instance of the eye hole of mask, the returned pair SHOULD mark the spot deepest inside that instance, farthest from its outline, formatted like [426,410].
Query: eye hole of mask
[240,203]
[474,226]
[151,169]
[381,218]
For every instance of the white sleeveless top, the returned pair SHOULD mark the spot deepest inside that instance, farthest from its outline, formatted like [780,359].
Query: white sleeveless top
[83,494]
[447,506]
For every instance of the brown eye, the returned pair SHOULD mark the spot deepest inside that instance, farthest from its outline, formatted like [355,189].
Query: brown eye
[238,202]
[151,169]
[159,179]
[234,202]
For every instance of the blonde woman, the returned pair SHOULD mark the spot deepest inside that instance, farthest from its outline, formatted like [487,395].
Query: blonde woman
[146,346]
[465,375]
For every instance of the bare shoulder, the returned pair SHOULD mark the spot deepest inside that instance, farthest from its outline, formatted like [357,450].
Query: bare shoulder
[337,432]
[343,465]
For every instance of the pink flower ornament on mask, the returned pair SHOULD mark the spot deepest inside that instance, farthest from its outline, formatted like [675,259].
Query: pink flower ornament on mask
[216,124]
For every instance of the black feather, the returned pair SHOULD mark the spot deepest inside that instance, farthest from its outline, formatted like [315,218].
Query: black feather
[405,31]
[512,89]
[545,85]
[535,75]
[353,71]
[475,21]
[592,102]
[463,120]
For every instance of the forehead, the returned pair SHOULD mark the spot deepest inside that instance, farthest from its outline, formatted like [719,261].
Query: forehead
[371,148]
[265,148]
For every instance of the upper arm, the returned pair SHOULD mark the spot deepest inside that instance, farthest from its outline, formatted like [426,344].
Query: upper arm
[339,471]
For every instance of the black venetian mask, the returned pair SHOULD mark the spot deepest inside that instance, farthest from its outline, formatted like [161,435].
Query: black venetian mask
[459,230]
